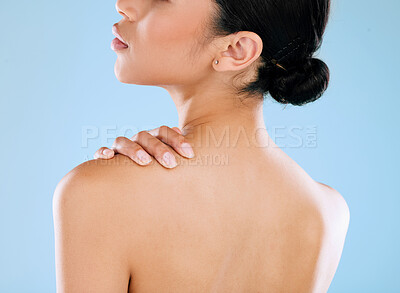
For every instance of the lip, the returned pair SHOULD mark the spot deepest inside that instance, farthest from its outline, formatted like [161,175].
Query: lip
[117,35]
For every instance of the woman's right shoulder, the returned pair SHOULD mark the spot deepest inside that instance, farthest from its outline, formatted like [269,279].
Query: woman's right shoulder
[319,218]
[334,219]
[336,205]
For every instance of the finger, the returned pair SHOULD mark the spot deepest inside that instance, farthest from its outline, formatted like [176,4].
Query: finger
[156,148]
[131,149]
[104,153]
[177,129]
[172,138]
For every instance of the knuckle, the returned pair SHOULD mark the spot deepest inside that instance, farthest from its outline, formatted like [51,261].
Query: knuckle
[119,140]
[162,130]
[141,135]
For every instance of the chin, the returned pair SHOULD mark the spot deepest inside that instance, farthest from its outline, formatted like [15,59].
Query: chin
[121,74]
[126,78]
[128,75]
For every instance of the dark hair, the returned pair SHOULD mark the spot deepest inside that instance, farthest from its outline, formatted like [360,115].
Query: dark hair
[291,31]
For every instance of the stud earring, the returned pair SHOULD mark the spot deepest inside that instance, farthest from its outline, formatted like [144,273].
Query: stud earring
[216,62]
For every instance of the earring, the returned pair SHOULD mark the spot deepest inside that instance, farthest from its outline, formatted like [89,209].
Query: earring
[216,62]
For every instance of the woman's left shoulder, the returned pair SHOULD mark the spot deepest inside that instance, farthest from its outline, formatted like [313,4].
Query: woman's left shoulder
[90,216]
[103,183]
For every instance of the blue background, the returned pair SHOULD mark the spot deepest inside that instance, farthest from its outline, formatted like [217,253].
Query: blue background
[57,80]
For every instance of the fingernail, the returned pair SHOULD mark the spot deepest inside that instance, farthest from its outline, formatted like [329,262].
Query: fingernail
[108,152]
[143,157]
[187,150]
[169,160]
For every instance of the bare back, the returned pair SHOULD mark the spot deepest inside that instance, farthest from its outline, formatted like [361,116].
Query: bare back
[229,222]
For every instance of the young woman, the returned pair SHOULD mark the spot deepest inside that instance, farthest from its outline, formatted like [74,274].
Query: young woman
[239,216]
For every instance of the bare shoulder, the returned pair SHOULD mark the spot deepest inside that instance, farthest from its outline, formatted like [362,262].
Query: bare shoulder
[96,191]
[103,192]
[314,221]
[102,177]
[107,190]
[90,225]
[320,212]
[111,188]
[92,169]
[336,207]
[101,209]
[322,205]
[324,213]
[333,216]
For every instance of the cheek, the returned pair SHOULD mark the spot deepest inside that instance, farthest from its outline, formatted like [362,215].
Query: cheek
[169,36]
[160,50]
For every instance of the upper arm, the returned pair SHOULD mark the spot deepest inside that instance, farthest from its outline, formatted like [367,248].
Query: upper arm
[336,221]
[89,250]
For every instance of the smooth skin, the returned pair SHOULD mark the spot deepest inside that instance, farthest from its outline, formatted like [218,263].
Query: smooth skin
[239,216]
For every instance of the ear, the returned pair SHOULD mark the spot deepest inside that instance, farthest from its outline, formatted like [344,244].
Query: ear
[242,50]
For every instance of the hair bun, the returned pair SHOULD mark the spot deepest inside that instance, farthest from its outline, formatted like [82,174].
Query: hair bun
[301,83]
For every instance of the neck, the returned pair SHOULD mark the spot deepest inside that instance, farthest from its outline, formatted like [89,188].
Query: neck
[213,115]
